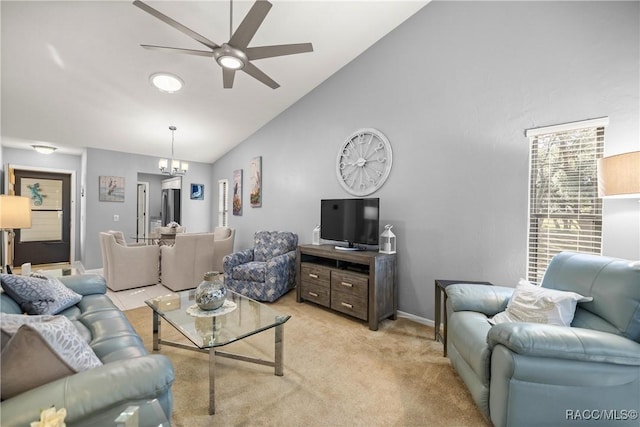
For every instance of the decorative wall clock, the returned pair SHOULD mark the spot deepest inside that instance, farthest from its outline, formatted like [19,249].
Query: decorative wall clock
[364,162]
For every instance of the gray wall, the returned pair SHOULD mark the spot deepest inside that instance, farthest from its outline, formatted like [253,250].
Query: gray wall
[99,215]
[454,89]
[93,216]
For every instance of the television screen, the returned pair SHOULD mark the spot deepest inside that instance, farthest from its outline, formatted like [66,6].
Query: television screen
[355,221]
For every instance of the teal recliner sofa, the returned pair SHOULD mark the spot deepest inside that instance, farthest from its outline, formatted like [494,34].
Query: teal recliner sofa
[531,374]
[129,376]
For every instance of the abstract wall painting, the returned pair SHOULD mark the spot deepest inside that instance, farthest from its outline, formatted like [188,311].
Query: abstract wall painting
[111,188]
[237,192]
[255,171]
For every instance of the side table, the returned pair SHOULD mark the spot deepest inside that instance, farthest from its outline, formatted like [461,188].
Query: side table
[440,286]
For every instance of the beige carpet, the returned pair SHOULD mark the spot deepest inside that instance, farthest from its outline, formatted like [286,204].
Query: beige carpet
[336,373]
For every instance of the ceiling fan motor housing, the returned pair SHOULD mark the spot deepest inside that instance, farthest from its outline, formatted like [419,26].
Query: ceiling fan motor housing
[226,51]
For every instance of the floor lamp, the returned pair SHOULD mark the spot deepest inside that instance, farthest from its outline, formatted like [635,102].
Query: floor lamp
[619,177]
[15,212]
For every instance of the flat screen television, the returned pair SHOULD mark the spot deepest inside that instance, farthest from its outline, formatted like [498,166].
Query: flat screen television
[355,221]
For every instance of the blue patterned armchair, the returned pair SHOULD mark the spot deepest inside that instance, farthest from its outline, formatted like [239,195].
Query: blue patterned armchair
[267,271]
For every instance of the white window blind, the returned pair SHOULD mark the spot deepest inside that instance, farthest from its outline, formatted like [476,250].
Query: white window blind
[565,212]
[223,196]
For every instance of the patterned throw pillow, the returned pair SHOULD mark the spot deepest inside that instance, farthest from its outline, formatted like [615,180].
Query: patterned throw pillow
[43,349]
[10,323]
[38,295]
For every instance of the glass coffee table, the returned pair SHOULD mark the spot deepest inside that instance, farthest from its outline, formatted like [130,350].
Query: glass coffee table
[239,318]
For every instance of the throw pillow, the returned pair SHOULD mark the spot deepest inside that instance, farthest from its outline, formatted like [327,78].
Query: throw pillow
[533,304]
[10,323]
[41,352]
[37,295]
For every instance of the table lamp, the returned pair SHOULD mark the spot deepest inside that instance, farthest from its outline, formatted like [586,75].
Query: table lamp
[15,212]
[619,177]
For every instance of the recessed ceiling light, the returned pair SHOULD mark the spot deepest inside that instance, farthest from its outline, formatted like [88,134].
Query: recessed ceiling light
[166,82]
[44,149]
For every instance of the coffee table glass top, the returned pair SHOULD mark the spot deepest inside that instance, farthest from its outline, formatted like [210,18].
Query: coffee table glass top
[247,318]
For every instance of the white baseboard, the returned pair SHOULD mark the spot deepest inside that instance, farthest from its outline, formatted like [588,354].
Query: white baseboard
[417,319]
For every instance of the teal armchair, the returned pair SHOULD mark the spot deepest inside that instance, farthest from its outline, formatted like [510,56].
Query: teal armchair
[532,374]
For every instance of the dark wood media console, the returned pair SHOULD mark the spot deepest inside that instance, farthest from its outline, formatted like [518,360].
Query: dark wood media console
[362,284]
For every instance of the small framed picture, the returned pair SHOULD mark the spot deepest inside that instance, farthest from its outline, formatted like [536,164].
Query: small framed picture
[111,189]
[237,192]
[197,191]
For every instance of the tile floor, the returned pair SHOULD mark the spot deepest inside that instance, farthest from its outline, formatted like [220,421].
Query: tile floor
[133,298]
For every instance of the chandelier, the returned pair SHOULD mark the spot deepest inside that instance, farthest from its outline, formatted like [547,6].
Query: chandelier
[177,167]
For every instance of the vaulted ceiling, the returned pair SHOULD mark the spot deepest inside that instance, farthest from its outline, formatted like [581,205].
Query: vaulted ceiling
[74,74]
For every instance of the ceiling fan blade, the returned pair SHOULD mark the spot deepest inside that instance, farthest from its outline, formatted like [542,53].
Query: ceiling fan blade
[227,77]
[258,74]
[175,24]
[278,50]
[179,50]
[250,24]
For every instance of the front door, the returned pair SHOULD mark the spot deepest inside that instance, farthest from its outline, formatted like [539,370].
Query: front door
[49,238]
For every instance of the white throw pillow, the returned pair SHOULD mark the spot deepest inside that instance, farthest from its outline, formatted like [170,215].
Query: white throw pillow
[534,304]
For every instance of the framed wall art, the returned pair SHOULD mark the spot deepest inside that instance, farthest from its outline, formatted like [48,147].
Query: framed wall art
[237,192]
[111,188]
[197,192]
[255,171]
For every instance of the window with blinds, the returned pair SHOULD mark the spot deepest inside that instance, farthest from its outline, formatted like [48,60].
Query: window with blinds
[223,210]
[565,212]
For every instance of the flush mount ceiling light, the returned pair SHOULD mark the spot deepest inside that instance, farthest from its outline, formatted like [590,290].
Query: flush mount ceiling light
[166,82]
[44,149]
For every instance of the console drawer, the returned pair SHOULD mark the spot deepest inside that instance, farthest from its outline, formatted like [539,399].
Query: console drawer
[349,304]
[313,292]
[350,283]
[312,273]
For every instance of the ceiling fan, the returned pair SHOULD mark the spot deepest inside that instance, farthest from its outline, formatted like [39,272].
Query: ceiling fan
[235,54]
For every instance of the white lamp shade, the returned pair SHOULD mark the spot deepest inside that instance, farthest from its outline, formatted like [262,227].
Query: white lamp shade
[163,163]
[619,175]
[15,212]
[185,166]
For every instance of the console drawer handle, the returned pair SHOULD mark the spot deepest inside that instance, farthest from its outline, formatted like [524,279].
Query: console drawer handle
[348,285]
[344,304]
[313,276]
[313,294]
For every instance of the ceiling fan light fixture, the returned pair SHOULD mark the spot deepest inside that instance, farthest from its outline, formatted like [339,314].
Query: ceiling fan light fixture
[166,82]
[44,149]
[230,57]
[230,62]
